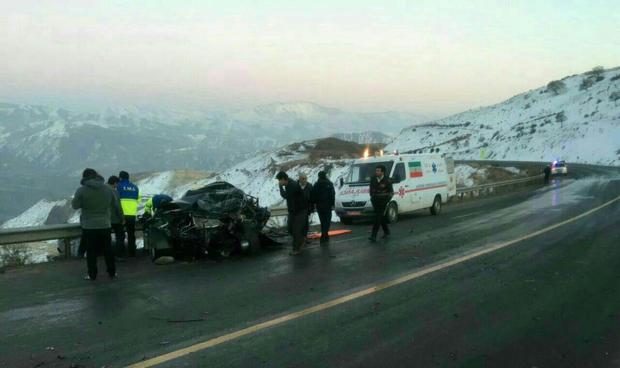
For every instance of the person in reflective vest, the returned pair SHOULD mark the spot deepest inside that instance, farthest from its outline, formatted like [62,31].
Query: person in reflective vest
[153,204]
[129,194]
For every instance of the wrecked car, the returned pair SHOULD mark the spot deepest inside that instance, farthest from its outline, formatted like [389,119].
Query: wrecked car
[214,221]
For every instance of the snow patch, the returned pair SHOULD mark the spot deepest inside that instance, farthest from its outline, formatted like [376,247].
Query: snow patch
[35,215]
[464,175]
[159,183]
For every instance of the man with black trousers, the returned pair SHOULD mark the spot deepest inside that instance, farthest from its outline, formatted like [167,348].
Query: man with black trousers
[297,209]
[547,172]
[307,189]
[381,192]
[116,218]
[96,202]
[129,194]
[324,198]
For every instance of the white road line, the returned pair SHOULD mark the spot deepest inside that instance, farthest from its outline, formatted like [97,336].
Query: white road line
[467,215]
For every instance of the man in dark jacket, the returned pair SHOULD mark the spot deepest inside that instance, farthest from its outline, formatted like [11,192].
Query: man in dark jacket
[117,219]
[324,198]
[307,189]
[297,209]
[381,193]
[547,172]
[96,201]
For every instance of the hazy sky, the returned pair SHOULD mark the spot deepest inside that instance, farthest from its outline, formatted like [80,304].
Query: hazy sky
[434,57]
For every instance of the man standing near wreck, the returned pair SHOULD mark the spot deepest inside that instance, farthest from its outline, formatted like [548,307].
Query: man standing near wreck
[96,202]
[130,198]
[306,187]
[324,198]
[297,211]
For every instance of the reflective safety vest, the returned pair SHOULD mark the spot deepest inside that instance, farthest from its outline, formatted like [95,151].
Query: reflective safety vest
[130,197]
[154,202]
[148,206]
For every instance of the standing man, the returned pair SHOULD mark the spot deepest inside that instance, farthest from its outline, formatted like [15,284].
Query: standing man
[381,193]
[117,218]
[297,211]
[307,189]
[324,197]
[130,198]
[96,202]
[547,172]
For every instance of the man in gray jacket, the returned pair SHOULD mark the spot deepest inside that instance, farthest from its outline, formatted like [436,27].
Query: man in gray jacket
[96,201]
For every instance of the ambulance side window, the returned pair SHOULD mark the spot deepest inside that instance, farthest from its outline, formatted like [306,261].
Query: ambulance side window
[399,173]
[450,164]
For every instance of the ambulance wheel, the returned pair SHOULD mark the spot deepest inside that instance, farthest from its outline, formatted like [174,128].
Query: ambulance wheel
[346,220]
[392,213]
[436,207]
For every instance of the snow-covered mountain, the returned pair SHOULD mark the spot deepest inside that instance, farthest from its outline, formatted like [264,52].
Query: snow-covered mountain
[62,141]
[576,119]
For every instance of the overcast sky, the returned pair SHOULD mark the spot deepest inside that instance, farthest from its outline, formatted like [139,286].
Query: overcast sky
[434,57]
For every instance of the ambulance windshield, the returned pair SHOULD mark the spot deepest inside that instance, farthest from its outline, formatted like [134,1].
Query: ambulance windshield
[361,173]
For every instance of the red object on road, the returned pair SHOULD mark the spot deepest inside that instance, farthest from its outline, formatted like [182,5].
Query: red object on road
[316,235]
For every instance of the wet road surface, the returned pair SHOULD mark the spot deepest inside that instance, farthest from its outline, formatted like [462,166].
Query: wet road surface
[550,300]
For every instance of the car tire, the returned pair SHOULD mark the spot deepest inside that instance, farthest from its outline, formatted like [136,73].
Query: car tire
[254,241]
[157,245]
[251,236]
[391,214]
[436,207]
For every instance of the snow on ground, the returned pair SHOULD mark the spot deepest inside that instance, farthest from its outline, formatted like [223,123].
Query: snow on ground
[464,175]
[35,215]
[513,170]
[155,184]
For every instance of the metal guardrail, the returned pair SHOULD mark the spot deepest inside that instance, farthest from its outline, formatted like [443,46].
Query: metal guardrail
[460,192]
[65,232]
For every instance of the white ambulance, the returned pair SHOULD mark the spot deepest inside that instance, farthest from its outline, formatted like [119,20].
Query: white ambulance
[420,181]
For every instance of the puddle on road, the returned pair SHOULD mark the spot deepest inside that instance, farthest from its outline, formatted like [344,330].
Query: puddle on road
[53,311]
[547,203]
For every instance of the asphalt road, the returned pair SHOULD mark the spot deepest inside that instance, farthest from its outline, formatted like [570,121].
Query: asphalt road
[547,300]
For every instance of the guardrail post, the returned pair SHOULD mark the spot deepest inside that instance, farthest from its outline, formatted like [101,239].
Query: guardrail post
[67,247]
